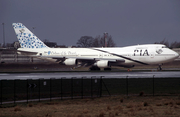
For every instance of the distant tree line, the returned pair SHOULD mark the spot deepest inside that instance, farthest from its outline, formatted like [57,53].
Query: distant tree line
[53,44]
[89,41]
[11,45]
[171,45]
[16,45]
[98,41]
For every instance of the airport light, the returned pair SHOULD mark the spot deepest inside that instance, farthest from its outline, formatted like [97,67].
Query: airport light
[33,29]
[4,45]
[105,39]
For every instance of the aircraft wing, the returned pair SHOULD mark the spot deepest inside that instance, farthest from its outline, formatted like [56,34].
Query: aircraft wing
[82,60]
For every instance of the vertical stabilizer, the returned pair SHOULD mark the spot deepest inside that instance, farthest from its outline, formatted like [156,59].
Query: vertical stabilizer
[26,38]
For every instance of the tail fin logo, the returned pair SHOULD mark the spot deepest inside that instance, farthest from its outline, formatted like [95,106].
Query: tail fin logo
[22,30]
[26,38]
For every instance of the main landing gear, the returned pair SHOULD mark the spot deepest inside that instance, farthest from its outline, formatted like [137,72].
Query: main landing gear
[94,68]
[160,67]
[107,69]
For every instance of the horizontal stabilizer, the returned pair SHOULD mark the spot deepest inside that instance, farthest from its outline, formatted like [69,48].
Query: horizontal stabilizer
[27,52]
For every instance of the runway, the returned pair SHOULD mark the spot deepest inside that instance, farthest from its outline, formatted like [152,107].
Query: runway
[22,76]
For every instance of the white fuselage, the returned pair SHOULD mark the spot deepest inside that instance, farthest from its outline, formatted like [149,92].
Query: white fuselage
[128,56]
[133,55]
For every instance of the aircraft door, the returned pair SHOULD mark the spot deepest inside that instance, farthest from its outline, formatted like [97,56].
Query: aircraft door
[100,55]
[152,54]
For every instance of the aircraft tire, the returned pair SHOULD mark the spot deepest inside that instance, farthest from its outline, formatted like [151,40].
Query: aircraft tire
[107,69]
[94,68]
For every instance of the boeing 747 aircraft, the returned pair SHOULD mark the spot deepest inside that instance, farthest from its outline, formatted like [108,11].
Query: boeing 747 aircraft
[95,58]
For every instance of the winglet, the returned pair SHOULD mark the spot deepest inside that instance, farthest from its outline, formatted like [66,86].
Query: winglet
[26,38]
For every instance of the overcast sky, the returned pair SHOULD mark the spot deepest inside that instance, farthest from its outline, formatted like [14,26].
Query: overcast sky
[129,22]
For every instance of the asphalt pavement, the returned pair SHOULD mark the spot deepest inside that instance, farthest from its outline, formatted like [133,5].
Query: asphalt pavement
[156,74]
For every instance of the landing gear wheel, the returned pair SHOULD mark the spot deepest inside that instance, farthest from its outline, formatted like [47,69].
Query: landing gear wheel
[159,68]
[94,68]
[107,69]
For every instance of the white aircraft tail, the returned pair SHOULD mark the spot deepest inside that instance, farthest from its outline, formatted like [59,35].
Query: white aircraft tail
[26,38]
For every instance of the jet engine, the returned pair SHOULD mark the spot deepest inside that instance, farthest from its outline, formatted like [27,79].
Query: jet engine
[70,61]
[102,64]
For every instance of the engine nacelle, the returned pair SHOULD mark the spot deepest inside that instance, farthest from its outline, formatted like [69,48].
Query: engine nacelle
[70,61]
[102,64]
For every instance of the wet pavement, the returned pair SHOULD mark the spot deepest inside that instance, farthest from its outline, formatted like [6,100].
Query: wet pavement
[156,74]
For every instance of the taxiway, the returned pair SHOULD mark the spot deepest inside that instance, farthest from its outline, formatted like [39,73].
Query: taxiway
[22,76]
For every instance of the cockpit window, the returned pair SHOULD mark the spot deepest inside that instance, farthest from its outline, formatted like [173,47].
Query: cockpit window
[164,47]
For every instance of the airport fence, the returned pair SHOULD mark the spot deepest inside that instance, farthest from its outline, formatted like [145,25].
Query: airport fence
[15,91]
